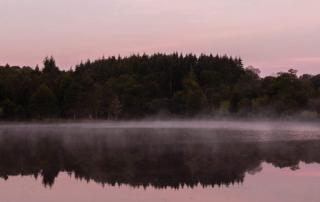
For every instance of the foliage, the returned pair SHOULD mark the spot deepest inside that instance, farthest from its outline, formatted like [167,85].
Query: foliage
[43,103]
[143,85]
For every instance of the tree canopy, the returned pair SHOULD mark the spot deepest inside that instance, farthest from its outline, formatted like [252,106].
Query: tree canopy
[145,85]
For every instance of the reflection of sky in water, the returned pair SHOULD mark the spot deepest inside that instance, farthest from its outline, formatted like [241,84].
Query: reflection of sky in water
[160,161]
[271,184]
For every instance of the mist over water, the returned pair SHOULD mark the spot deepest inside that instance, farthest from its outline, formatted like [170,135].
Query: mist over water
[158,156]
[197,124]
[210,129]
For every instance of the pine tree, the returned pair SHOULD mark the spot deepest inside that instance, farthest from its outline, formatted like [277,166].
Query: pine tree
[115,108]
[43,103]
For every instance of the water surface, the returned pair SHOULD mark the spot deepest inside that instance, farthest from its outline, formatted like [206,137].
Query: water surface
[160,161]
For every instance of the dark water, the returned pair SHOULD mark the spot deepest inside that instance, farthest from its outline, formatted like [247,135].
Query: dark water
[88,162]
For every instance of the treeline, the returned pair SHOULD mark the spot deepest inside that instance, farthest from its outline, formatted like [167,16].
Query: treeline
[144,85]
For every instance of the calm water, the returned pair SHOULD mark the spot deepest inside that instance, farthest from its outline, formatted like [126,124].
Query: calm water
[160,161]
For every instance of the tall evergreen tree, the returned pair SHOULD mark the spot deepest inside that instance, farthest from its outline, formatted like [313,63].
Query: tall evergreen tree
[43,103]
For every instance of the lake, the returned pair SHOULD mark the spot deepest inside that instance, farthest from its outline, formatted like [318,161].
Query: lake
[160,161]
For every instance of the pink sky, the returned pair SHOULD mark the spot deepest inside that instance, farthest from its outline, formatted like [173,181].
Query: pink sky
[271,35]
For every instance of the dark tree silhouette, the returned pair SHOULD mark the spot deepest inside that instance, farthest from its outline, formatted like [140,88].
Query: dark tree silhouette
[43,103]
[179,85]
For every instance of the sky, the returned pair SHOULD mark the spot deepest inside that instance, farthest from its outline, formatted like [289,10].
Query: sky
[272,35]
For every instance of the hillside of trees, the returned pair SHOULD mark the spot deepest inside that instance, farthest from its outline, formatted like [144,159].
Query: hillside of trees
[141,86]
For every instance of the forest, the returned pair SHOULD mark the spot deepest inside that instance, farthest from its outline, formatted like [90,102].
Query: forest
[141,86]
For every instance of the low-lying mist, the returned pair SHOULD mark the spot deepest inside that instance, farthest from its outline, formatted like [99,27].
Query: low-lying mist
[226,130]
[183,124]
[155,153]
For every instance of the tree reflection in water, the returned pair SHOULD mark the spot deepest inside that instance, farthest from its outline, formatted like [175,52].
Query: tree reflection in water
[146,157]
